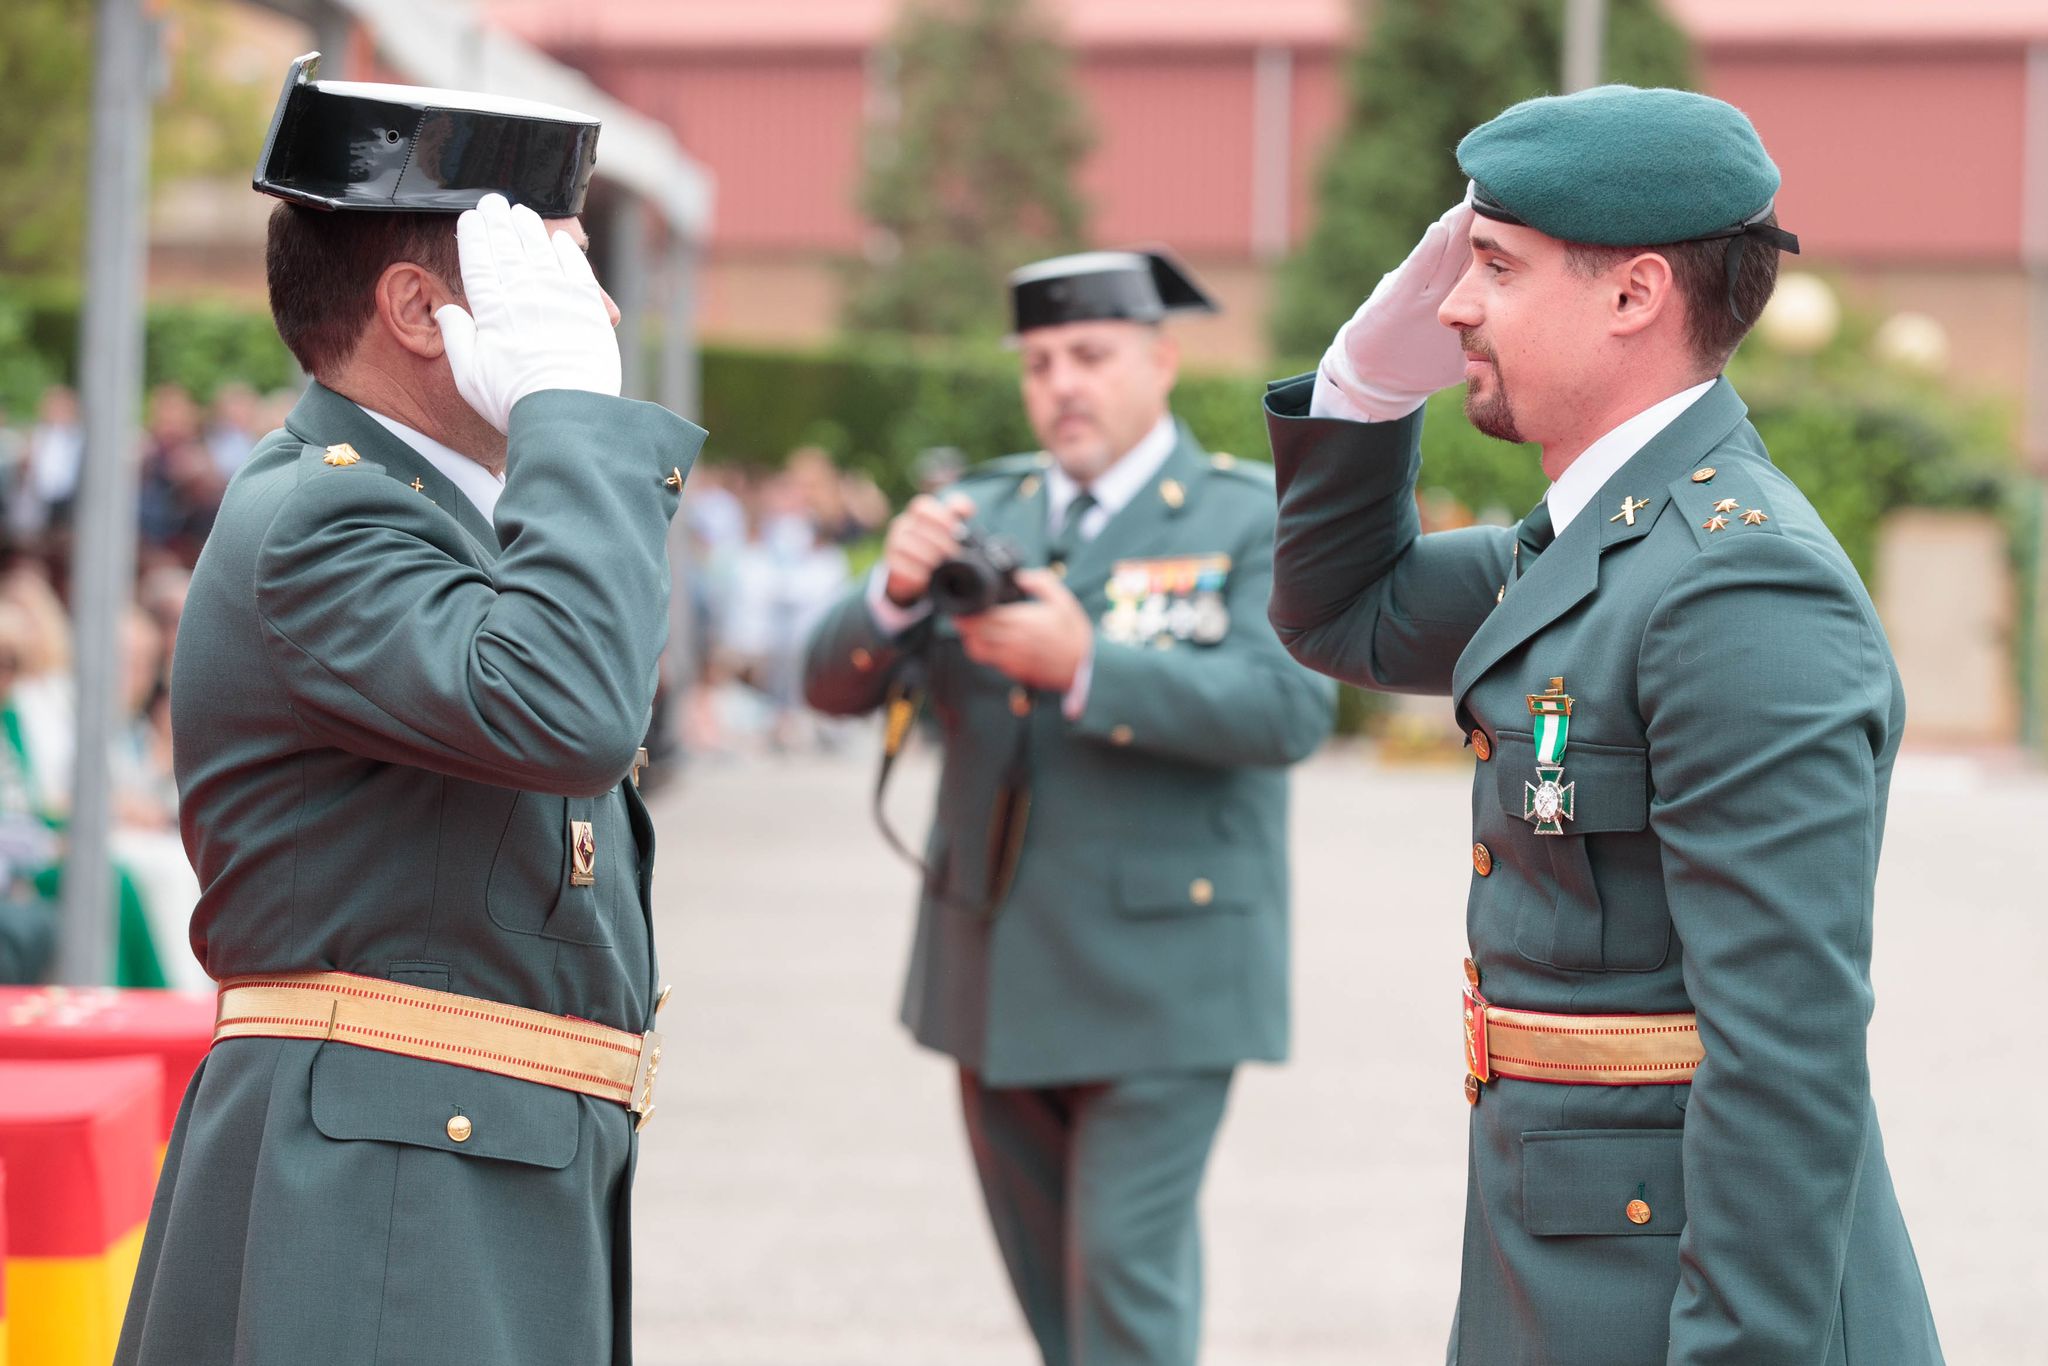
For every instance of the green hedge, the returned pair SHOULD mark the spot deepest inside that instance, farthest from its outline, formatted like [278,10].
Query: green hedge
[1859,443]
[198,345]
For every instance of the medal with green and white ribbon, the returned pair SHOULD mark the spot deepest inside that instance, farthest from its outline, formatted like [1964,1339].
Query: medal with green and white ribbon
[1547,802]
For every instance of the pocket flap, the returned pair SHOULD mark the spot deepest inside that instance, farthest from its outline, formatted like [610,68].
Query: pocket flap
[1584,1181]
[362,1093]
[1610,783]
[1219,878]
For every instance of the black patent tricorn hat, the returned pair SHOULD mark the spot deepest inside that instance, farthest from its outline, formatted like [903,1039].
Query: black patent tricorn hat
[416,149]
[1132,286]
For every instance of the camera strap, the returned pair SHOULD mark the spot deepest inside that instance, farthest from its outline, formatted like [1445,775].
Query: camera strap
[904,703]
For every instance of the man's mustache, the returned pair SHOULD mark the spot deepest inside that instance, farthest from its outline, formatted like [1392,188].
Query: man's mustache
[1474,344]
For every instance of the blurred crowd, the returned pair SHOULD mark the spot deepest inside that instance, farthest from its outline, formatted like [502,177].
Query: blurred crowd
[768,553]
[188,453]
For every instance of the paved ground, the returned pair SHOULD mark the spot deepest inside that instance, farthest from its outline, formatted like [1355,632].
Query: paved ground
[805,1198]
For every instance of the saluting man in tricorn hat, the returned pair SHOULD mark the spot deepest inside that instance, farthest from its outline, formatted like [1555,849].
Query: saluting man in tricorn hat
[1102,934]
[1684,716]
[413,673]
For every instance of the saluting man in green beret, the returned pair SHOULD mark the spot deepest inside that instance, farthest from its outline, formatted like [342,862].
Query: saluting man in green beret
[1102,935]
[413,673]
[1684,715]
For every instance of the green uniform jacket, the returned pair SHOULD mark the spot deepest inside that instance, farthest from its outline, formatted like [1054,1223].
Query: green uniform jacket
[387,713]
[1146,928]
[1737,713]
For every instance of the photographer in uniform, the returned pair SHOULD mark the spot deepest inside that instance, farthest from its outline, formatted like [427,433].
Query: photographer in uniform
[1102,932]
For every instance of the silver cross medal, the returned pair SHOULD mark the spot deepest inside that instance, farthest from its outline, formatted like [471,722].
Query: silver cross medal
[1548,802]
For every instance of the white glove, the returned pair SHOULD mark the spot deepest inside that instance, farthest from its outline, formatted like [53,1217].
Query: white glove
[536,318]
[1393,353]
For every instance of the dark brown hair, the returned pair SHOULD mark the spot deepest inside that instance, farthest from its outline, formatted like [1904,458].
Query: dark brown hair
[323,268]
[1700,271]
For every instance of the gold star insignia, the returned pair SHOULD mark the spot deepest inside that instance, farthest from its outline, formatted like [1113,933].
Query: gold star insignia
[418,487]
[1726,505]
[1716,523]
[1754,517]
[341,454]
[1629,508]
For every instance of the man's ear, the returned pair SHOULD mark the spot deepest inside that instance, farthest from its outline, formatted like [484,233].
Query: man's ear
[1166,351]
[1642,290]
[407,296]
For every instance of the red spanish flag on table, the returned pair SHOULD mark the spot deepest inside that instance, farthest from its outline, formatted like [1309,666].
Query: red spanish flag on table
[78,1139]
[174,1027]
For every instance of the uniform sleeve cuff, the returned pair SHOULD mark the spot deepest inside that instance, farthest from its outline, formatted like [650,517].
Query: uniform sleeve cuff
[889,618]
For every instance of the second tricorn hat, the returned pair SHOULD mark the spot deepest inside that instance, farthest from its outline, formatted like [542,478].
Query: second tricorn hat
[1128,286]
[417,149]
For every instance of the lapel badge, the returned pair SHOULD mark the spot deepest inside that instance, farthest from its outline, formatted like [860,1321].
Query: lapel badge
[1550,801]
[1173,493]
[1629,508]
[582,854]
[418,487]
[341,453]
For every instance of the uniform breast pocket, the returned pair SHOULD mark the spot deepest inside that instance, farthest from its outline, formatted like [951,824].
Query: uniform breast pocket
[1593,899]
[559,864]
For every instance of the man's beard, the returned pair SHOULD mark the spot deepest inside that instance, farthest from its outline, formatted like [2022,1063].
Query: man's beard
[1493,415]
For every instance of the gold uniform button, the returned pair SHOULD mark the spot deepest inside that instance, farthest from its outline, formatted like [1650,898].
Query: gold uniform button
[1120,735]
[1482,746]
[1701,476]
[1472,972]
[1201,891]
[1471,1089]
[1223,460]
[459,1128]
[1020,702]
[1482,860]
[1638,1211]
[1173,494]
[863,660]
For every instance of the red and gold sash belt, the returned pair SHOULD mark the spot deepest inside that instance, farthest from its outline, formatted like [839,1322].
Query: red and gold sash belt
[1581,1050]
[441,1026]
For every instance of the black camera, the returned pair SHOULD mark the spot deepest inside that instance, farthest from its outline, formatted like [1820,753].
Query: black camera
[981,574]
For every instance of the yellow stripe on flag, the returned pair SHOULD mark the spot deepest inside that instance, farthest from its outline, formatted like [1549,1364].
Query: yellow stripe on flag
[67,1310]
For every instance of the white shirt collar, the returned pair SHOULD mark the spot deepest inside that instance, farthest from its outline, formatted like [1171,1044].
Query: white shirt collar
[1598,463]
[477,484]
[1116,486]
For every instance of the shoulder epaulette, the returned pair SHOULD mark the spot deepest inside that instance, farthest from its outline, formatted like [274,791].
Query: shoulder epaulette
[1719,502]
[1258,472]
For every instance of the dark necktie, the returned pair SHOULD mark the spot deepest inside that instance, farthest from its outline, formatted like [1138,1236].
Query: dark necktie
[1069,538]
[1533,536]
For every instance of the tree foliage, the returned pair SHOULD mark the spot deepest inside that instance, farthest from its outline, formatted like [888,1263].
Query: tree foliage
[203,123]
[974,173]
[1428,72]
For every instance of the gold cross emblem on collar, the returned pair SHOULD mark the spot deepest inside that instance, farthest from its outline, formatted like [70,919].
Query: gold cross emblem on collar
[1629,508]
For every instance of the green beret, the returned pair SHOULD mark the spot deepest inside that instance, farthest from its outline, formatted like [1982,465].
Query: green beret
[1623,167]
